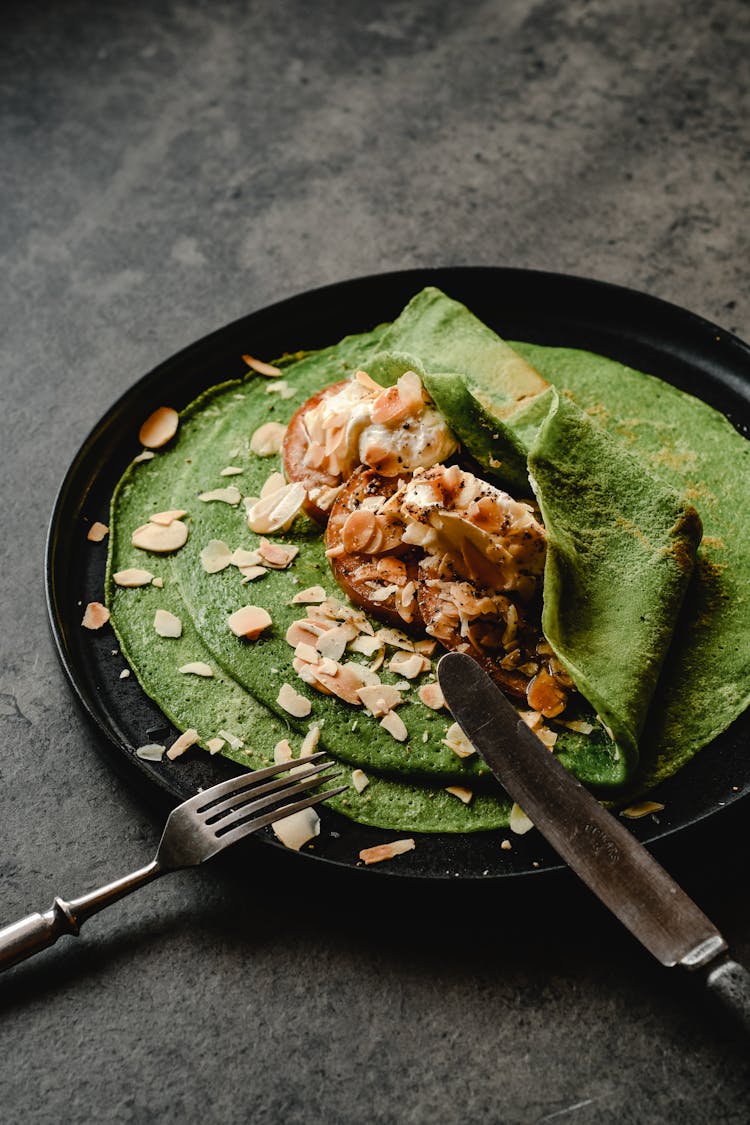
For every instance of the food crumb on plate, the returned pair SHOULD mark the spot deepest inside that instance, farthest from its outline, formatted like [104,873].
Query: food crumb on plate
[386,851]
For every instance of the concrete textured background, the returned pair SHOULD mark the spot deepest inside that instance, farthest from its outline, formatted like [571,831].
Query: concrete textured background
[166,168]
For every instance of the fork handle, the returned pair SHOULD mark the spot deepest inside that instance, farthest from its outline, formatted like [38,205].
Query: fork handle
[38,931]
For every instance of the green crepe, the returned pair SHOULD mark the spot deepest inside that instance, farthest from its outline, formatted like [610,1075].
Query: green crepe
[216,433]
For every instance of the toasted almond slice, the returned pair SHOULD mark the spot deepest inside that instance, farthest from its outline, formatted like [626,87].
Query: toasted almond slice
[307,674]
[367,382]
[278,510]
[506,845]
[282,751]
[386,851]
[235,742]
[293,703]
[456,740]
[250,573]
[432,696]
[282,389]
[368,646]
[425,647]
[519,822]
[396,639]
[97,532]
[231,471]
[160,540]
[230,495]
[272,484]
[360,780]
[249,622]
[215,556]
[366,677]
[335,552]
[380,699]
[306,631]
[268,439]
[146,455]
[196,668]
[333,642]
[395,725]
[132,577]
[408,665]
[214,745]
[242,558]
[641,808]
[459,791]
[312,595]
[158,582]
[187,739]
[383,593]
[165,518]
[307,653]
[167,624]
[261,367]
[95,616]
[310,741]
[150,752]
[159,428]
[297,829]
[277,555]
[340,681]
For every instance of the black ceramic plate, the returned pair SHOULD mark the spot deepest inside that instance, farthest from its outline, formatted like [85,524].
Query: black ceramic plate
[636,329]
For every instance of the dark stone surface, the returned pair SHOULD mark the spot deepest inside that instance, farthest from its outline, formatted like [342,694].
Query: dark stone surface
[166,168]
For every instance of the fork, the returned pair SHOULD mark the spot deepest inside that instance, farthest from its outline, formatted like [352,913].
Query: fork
[196,830]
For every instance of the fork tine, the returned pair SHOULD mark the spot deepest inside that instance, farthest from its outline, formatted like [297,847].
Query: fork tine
[247,810]
[244,781]
[238,800]
[239,831]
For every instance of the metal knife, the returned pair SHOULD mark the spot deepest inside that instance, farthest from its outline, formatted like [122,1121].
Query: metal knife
[598,847]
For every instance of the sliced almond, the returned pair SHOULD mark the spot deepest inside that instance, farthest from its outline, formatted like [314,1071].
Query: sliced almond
[159,428]
[242,558]
[368,646]
[97,532]
[425,647]
[272,484]
[215,556]
[456,740]
[396,639]
[360,780]
[277,555]
[231,471]
[333,642]
[150,752]
[249,622]
[261,367]
[124,674]
[297,829]
[282,751]
[132,577]
[214,745]
[381,699]
[386,851]
[268,439]
[277,511]
[519,822]
[95,616]
[307,653]
[293,703]
[197,668]
[305,632]
[187,739]
[250,573]
[230,495]
[395,725]
[160,540]
[158,582]
[146,455]
[235,742]
[432,696]
[310,741]
[167,624]
[337,680]
[461,792]
[312,595]
[641,808]
[408,665]
[165,518]
[282,389]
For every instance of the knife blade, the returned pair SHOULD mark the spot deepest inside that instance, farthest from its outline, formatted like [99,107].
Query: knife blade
[597,846]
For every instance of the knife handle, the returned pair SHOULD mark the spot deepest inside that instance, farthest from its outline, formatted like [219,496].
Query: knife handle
[728,984]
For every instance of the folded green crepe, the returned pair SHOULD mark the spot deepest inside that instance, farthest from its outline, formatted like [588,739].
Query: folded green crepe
[615,577]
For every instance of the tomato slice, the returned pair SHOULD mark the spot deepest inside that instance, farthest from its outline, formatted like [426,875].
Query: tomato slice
[295,446]
[382,577]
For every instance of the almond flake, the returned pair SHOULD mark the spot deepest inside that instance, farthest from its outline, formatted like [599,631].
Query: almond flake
[158,582]
[272,484]
[214,745]
[408,666]
[241,558]
[312,595]
[150,752]
[132,577]
[160,540]
[425,647]
[459,791]
[293,703]
[97,532]
[124,674]
[456,740]
[196,668]
[230,495]
[163,519]
[249,622]
[360,780]
[95,616]
[235,742]
[215,556]
[282,389]
[261,367]
[432,696]
[386,851]
[297,829]
[506,845]
[307,653]
[282,751]
[183,743]
[380,699]
[146,455]
[368,646]
[310,741]
[276,511]
[250,573]
[159,428]
[231,471]
[167,624]
[395,726]
[383,593]
[641,808]
[519,822]
[278,556]
[333,642]
[396,639]
[268,439]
